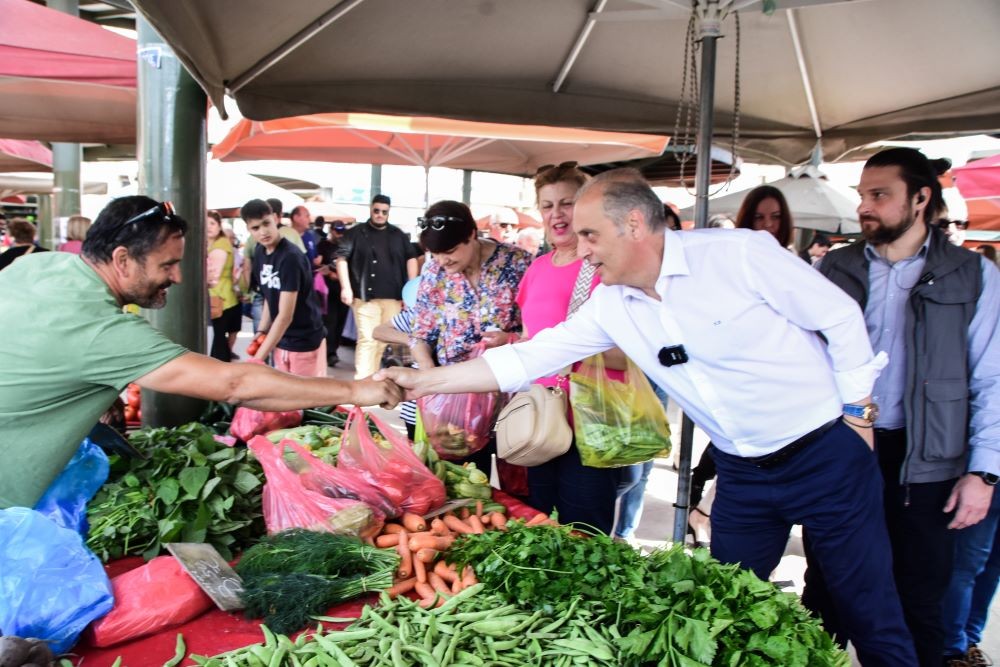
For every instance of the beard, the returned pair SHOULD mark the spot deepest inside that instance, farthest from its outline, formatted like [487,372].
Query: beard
[879,233]
[148,294]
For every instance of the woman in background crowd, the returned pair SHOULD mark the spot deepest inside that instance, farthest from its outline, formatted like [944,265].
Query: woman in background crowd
[23,234]
[765,208]
[76,231]
[227,315]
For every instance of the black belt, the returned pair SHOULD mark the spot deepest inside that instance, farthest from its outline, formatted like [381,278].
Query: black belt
[791,449]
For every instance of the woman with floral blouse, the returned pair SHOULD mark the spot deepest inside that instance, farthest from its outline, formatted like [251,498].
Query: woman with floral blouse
[467,295]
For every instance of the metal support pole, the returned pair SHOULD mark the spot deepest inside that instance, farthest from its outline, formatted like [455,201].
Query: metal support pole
[710,31]
[376,186]
[66,159]
[171,147]
[467,187]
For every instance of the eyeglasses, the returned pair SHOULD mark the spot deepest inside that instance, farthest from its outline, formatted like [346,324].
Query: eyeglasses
[380,211]
[944,223]
[562,165]
[507,224]
[437,222]
[164,211]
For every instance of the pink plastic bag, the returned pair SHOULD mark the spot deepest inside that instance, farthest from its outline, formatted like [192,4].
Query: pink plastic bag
[248,422]
[150,598]
[389,464]
[288,503]
[459,425]
[336,482]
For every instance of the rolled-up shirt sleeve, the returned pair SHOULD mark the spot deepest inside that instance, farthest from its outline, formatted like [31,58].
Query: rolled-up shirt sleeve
[811,301]
[550,350]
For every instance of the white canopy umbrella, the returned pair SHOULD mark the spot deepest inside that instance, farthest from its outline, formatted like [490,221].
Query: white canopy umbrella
[815,202]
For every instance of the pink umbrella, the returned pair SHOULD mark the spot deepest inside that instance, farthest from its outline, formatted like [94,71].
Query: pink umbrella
[21,155]
[63,78]
[979,183]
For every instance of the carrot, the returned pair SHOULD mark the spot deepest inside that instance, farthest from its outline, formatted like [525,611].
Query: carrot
[387,540]
[537,519]
[469,577]
[479,508]
[456,586]
[457,525]
[420,569]
[405,557]
[438,583]
[499,520]
[486,519]
[445,571]
[424,590]
[391,528]
[438,527]
[428,541]
[414,522]
[402,587]
[427,556]
[476,524]
[463,513]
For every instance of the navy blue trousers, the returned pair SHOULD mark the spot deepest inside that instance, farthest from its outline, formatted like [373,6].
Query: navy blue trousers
[579,493]
[833,487]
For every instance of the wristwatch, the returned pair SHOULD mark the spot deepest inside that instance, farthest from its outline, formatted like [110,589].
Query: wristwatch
[868,412]
[989,479]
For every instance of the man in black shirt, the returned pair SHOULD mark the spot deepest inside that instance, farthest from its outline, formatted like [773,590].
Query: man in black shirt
[291,317]
[374,260]
[336,310]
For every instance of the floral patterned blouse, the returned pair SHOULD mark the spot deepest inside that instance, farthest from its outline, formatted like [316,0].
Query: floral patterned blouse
[451,314]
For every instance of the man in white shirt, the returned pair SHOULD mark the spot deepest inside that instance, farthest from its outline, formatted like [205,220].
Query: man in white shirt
[764,355]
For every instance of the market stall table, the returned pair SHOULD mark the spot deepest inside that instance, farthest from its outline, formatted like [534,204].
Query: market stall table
[217,631]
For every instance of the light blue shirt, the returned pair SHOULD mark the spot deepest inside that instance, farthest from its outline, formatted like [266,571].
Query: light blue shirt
[747,312]
[889,291]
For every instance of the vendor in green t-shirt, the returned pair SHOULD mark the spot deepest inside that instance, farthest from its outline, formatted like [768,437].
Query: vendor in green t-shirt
[69,349]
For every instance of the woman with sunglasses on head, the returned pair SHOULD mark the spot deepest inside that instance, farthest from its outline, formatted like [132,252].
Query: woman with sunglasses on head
[467,292]
[580,494]
[227,313]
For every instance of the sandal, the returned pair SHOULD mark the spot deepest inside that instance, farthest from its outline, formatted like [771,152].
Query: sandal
[699,529]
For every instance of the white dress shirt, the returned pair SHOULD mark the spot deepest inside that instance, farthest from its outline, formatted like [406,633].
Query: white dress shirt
[747,313]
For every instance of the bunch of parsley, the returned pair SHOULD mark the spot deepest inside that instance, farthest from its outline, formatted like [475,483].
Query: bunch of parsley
[672,608]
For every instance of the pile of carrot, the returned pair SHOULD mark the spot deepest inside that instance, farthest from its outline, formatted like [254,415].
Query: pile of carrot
[421,546]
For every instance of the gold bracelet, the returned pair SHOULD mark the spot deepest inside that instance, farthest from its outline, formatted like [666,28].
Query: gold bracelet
[857,425]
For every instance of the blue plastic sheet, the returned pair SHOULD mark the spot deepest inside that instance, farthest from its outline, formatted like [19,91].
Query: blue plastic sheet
[65,501]
[51,585]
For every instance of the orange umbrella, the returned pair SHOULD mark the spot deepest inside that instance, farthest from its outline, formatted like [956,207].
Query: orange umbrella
[429,142]
[979,183]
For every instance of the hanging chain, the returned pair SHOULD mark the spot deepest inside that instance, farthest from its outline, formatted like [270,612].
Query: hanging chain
[689,103]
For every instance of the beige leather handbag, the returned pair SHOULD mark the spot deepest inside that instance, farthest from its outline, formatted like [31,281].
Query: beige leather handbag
[532,428]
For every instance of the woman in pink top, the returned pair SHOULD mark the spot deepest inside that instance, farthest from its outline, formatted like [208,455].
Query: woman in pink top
[580,494]
[76,231]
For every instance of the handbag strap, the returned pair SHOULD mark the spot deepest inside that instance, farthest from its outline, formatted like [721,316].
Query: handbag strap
[581,289]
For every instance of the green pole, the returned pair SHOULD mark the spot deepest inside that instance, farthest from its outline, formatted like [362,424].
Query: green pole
[376,186]
[467,187]
[43,219]
[171,147]
[66,159]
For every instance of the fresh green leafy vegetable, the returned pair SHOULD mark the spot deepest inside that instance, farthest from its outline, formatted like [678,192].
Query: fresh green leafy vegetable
[296,574]
[671,608]
[189,489]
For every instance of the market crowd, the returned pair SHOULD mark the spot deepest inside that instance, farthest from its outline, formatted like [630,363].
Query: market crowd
[854,391]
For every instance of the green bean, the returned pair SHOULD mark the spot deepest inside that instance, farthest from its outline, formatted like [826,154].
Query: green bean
[396,653]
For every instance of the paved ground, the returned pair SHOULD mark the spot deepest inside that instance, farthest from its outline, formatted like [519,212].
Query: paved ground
[656,525]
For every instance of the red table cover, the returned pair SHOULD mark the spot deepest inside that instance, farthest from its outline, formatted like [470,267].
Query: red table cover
[217,631]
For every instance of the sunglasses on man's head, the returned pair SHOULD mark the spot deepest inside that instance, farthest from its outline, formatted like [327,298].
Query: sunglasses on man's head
[162,212]
[437,222]
[562,165]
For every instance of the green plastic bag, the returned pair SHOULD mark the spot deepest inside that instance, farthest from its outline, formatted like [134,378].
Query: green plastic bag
[616,423]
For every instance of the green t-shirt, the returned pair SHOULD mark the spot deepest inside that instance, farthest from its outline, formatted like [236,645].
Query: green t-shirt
[68,351]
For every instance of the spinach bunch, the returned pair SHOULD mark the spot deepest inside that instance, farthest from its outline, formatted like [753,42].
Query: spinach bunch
[189,489]
[671,608]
